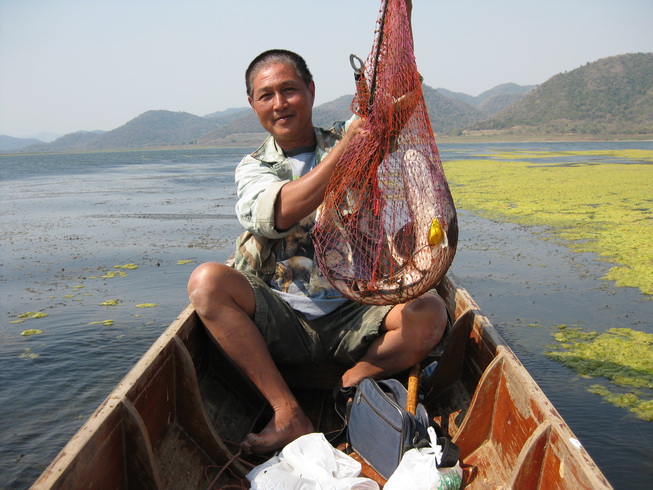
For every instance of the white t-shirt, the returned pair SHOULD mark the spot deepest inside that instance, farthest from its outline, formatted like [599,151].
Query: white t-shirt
[302,160]
[298,279]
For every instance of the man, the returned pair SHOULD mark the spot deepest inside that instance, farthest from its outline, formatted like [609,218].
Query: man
[274,305]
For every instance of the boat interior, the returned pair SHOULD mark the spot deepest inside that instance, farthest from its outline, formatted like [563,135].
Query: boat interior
[183,410]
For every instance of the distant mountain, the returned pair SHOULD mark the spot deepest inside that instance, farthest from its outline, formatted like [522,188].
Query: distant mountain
[610,96]
[459,96]
[78,141]
[236,126]
[497,103]
[150,129]
[242,125]
[227,114]
[158,128]
[339,109]
[238,122]
[491,101]
[448,114]
[45,136]
[9,143]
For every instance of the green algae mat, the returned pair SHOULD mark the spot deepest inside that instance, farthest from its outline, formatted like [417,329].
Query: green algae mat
[602,208]
[600,203]
[621,355]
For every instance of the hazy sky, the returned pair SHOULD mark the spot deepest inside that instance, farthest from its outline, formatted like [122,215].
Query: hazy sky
[68,65]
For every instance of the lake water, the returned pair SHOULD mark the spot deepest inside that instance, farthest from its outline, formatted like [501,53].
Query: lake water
[68,220]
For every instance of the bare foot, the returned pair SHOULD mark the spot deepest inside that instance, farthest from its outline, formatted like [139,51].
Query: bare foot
[283,428]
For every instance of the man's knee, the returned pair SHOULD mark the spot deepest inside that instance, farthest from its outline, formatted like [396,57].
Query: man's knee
[427,317]
[213,284]
[205,276]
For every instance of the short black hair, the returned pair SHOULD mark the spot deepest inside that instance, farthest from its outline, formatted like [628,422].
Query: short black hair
[276,56]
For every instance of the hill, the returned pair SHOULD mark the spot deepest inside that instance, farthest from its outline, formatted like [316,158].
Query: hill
[158,128]
[610,96]
[9,143]
[446,115]
[150,129]
[77,141]
[241,127]
[491,101]
[236,126]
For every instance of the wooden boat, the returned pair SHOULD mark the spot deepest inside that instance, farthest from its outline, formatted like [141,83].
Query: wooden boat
[176,419]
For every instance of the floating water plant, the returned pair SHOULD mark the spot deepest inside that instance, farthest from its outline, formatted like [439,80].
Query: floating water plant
[33,314]
[597,207]
[106,323]
[28,354]
[126,266]
[112,274]
[110,302]
[146,305]
[631,401]
[28,315]
[31,331]
[185,261]
[621,355]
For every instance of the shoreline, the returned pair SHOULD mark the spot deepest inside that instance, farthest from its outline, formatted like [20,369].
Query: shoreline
[257,138]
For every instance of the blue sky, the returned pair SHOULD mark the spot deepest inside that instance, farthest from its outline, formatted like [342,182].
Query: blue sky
[68,65]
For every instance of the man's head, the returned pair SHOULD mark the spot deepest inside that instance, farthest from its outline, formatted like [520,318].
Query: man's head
[277,56]
[281,91]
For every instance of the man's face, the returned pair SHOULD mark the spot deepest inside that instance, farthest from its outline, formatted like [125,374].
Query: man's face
[284,105]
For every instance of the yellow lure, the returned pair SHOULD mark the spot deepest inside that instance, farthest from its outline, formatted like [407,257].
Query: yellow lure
[435,232]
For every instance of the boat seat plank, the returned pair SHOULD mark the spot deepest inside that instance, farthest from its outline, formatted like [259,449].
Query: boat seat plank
[566,464]
[448,366]
[191,412]
[476,427]
[501,419]
[528,467]
[140,464]
[153,395]
[498,425]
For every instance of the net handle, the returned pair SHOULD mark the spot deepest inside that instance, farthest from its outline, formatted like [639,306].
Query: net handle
[378,52]
[413,386]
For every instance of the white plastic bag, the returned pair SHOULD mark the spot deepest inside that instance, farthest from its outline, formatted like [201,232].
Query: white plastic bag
[310,462]
[418,471]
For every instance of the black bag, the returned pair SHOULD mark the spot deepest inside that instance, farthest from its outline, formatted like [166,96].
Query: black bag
[381,430]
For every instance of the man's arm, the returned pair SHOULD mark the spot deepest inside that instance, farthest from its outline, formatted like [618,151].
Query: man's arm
[301,197]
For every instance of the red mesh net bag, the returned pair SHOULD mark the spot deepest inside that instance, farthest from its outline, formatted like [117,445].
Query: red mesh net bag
[387,230]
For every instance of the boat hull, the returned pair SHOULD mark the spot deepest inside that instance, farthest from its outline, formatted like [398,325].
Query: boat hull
[177,418]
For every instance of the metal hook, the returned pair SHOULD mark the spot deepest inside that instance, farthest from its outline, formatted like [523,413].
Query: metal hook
[355,60]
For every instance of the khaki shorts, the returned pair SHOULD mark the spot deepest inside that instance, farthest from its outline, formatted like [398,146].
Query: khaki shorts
[342,336]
